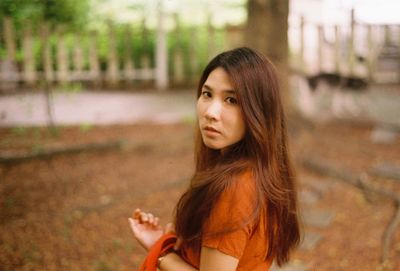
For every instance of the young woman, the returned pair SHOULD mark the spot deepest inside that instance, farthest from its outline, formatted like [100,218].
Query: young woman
[240,211]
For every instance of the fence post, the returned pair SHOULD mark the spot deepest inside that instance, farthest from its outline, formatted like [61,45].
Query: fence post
[398,44]
[211,37]
[178,63]
[193,57]
[48,72]
[78,58]
[62,58]
[161,51]
[129,68]
[351,45]
[29,72]
[8,69]
[94,65]
[302,61]
[145,57]
[320,47]
[46,53]
[112,65]
[387,35]
[337,49]
[371,53]
[9,38]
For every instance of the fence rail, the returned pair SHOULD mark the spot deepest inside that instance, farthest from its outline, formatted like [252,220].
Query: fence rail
[59,58]
[357,49]
[174,58]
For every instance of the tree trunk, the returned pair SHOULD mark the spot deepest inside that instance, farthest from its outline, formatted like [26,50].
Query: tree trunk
[267,27]
[267,32]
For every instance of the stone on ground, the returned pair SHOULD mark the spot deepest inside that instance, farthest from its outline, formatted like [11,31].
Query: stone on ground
[314,218]
[387,170]
[291,266]
[310,240]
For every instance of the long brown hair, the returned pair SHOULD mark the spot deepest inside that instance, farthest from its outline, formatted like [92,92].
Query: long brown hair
[263,150]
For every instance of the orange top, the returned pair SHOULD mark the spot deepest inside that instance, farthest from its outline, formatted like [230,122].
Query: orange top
[247,239]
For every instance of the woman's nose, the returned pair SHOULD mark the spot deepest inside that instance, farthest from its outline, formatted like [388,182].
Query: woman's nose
[213,110]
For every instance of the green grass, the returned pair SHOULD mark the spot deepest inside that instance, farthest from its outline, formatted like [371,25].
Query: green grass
[85,127]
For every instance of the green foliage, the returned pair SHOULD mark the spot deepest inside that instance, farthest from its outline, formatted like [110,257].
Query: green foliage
[9,202]
[36,133]
[66,12]
[54,131]
[73,87]
[189,119]
[128,247]
[66,233]
[71,13]
[21,10]
[19,131]
[85,127]
[31,253]
[37,148]
[117,243]
[102,265]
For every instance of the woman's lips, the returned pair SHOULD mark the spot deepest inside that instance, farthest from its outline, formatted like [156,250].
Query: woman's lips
[211,130]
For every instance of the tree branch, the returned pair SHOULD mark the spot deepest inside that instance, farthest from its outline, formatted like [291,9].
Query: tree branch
[361,182]
[51,152]
[389,232]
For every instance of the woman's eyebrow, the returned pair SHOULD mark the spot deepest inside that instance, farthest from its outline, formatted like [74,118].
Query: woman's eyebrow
[207,87]
[229,91]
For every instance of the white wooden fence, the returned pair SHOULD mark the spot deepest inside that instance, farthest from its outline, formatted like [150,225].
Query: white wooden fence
[61,64]
[352,50]
[28,73]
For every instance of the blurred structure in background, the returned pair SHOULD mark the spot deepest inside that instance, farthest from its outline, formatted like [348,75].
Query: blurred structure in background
[125,44]
[136,44]
[354,38]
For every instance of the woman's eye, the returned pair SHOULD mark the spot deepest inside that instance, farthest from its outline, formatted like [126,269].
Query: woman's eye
[231,100]
[206,94]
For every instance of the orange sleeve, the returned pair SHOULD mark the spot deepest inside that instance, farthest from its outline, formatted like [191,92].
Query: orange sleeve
[231,212]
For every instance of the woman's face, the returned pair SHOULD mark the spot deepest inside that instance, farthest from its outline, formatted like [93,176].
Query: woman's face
[220,117]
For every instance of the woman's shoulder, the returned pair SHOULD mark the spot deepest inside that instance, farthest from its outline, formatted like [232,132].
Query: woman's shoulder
[236,204]
[242,184]
[240,192]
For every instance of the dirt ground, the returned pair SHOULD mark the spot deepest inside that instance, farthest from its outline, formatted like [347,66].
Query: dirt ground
[70,212]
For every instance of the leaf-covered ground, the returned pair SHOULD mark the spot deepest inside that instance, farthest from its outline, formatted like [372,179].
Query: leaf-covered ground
[70,212]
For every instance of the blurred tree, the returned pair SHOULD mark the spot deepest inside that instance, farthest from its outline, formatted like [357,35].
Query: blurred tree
[71,13]
[267,32]
[68,12]
[267,26]
[20,10]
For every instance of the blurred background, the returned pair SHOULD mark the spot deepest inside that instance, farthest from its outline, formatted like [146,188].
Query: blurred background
[97,117]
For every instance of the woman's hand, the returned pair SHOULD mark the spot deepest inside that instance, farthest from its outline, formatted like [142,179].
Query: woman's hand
[146,228]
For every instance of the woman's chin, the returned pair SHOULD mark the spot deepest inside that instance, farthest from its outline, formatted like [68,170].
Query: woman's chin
[213,145]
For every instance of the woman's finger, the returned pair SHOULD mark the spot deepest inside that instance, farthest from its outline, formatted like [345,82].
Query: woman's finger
[136,213]
[169,228]
[150,217]
[133,223]
[144,217]
[156,222]
[178,243]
